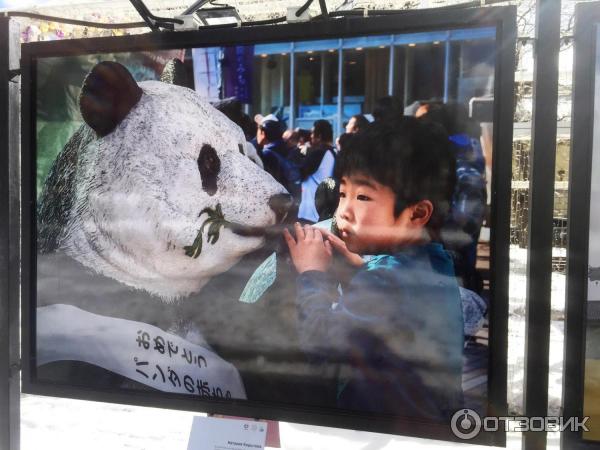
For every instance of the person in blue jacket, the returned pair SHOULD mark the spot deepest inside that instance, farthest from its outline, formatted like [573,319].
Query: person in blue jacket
[394,328]
[460,233]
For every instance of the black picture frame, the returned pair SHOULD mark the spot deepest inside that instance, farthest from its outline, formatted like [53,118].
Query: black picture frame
[587,22]
[502,18]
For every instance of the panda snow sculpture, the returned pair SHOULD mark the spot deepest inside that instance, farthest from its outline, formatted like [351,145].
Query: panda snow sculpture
[130,187]
[144,208]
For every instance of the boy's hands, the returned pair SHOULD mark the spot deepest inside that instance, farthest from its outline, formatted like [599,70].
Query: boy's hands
[309,251]
[312,249]
[354,259]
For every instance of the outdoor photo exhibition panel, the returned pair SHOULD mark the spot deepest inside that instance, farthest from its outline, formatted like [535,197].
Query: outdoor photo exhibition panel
[582,357]
[153,237]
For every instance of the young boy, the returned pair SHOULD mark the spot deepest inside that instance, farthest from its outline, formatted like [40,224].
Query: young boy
[396,330]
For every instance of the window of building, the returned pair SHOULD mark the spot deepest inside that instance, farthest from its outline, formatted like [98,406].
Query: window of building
[271,85]
[316,86]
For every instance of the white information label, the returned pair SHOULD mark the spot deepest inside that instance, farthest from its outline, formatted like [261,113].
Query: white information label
[211,433]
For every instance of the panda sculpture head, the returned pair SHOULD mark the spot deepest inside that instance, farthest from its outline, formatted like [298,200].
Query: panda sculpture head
[154,165]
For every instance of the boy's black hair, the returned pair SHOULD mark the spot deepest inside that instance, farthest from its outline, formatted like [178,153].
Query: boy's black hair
[410,156]
[323,130]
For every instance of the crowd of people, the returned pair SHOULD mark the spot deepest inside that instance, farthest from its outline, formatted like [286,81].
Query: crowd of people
[303,161]
[407,195]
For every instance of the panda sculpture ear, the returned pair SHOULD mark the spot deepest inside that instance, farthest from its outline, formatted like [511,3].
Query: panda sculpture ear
[108,93]
[174,73]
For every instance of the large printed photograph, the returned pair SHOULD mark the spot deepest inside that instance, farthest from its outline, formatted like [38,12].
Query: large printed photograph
[297,223]
[592,355]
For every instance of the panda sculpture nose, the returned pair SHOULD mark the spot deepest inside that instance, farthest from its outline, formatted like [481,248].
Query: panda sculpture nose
[284,207]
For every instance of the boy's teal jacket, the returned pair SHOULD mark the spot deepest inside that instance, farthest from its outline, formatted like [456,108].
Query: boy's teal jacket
[395,331]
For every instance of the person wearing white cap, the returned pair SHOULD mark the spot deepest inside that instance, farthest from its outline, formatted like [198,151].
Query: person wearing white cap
[274,151]
[259,118]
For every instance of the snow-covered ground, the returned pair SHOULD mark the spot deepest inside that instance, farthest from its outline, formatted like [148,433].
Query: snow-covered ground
[62,424]
[516,332]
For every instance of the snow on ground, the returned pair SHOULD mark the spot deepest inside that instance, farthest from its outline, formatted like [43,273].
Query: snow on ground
[517,283]
[62,424]
[516,332]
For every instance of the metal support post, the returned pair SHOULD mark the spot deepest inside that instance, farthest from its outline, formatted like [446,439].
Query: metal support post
[292,121]
[9,236]
[447,68]
[579,310]
[392,72]
[541,201]
[340,91]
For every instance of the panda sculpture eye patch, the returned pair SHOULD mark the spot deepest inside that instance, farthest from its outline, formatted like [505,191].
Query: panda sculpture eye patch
[209,166]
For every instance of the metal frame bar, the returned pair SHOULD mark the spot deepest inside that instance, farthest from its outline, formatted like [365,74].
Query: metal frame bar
[502,18]
[340,90]
[322,83]
[587,23]
[144,14]
[504,79]
[292,119]
[281,83]
[392,70]
[447,62]
[153,22]
[9,238]
[195,7]
[408,61]
[541,199]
